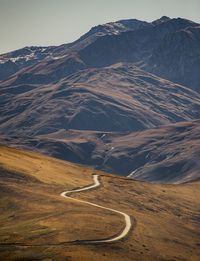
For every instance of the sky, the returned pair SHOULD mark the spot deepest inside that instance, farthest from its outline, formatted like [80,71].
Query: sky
[54,22]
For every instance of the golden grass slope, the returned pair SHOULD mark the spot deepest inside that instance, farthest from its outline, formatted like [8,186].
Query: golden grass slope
[166,218]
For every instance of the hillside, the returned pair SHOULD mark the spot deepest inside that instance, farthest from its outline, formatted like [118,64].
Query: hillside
[168,154]
[117,98]
[164,217]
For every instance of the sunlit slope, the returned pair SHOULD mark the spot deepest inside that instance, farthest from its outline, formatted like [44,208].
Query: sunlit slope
[165,218]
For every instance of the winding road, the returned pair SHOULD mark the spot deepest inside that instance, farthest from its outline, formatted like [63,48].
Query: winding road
[127,218]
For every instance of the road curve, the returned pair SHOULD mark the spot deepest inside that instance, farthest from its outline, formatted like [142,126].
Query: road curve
[127,218]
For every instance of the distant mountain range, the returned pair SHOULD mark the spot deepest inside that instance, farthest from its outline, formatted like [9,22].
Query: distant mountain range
[117,79]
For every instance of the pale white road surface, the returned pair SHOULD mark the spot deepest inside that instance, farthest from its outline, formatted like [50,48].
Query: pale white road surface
[127,218]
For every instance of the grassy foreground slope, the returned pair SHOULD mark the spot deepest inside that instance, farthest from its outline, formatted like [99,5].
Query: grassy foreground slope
[165,218]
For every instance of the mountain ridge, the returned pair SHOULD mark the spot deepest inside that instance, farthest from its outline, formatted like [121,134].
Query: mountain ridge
[124,46]
[14,61]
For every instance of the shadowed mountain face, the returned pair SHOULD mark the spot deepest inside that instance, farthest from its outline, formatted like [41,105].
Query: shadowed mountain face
[117,98]
[12,62]
[177,57]
[169,154]
[119,77]
[169,48]
[132,46]
[166,47]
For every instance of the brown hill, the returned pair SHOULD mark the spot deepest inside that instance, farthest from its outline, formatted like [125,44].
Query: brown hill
[35,220]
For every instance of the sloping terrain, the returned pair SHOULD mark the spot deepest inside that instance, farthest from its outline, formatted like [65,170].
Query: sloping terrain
[177,57]
[131,46]
[117,98]
[106,82]
[35,220]
[14,61]
[169,48]
[96,32]
[166,47]
[168,154]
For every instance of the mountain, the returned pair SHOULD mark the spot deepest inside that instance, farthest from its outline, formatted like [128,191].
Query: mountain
[38,224]
[162,47]
[132,46]
[14,61]
[177,57]
[167,154]
[96,32]
[124,98]
[117,98]
[113,80]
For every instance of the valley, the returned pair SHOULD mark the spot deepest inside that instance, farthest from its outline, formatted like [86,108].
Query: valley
[100,145]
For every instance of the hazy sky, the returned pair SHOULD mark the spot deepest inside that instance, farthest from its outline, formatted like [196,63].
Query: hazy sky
[53,22]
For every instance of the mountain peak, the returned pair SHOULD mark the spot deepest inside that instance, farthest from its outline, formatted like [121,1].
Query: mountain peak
[165,18]
[161,20]
[116,27]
